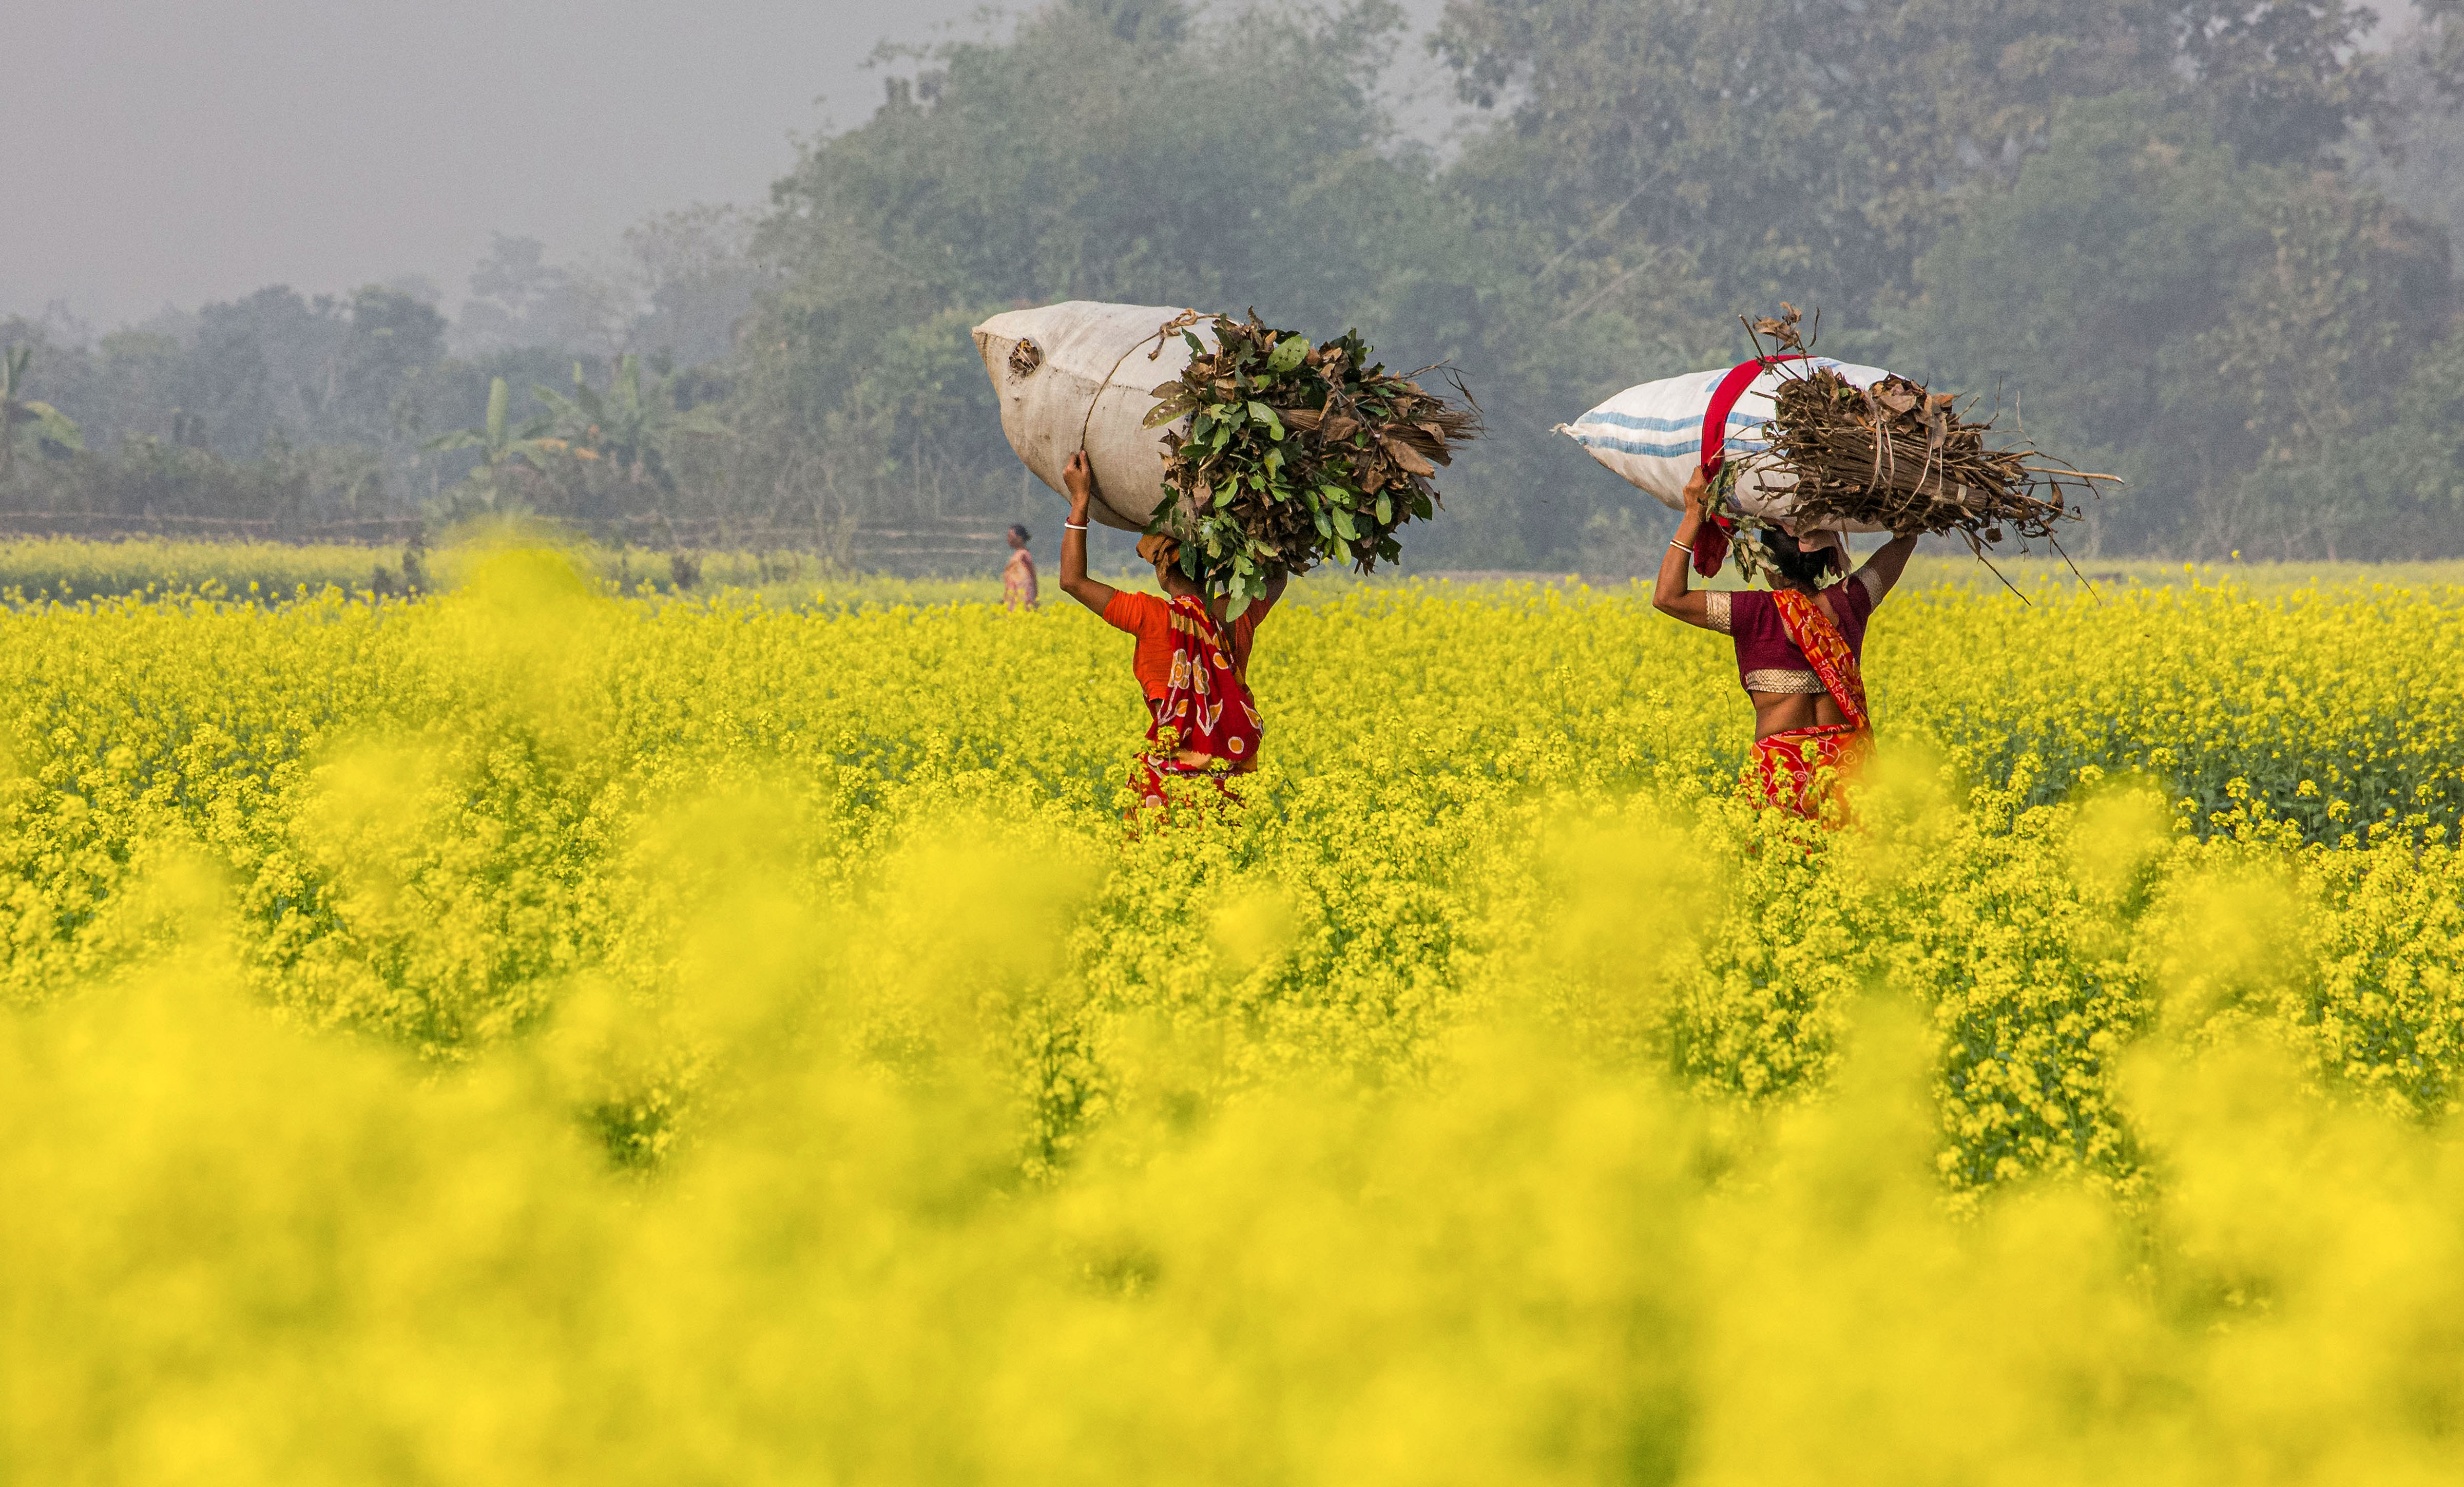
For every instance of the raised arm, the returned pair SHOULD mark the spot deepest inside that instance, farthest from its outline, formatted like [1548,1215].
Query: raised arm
[1671,595]
[1080,477]
[1889,561]
[1258,607]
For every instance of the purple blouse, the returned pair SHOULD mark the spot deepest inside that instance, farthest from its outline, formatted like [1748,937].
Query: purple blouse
[1767,659]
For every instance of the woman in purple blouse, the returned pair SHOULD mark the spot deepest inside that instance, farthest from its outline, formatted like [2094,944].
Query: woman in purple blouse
[1799,647]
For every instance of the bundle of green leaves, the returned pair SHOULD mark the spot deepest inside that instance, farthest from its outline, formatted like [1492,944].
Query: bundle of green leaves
[1296,455]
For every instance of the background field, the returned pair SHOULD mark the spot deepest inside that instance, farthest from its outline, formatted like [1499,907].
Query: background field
[42,570]
[67,570]
[528,1035]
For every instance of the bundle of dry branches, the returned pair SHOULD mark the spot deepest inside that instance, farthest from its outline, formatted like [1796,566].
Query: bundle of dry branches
[1898,456]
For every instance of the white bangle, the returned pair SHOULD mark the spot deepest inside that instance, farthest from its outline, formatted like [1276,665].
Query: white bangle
[1073,527]
[1681,547]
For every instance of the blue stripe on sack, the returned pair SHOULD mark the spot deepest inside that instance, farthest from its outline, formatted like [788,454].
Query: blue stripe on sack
[1630,447]
[1666,425]
[1661,450]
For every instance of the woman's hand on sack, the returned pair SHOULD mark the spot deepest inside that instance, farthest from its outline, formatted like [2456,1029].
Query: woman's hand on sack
[1074,582]
[1672,593]
[1079,475]
[1698,493]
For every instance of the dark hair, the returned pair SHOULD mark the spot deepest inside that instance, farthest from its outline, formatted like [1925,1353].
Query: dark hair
[1020,533]
[1808,568]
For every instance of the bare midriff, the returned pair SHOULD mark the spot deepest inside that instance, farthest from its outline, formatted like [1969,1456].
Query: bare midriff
[1777,712]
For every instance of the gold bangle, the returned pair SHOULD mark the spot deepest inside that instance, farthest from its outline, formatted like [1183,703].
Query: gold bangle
[1681,547]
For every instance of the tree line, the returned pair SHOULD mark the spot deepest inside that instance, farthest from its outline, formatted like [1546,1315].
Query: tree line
[2200,244]
[370,406]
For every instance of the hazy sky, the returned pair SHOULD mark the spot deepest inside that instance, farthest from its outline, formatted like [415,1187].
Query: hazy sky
[175,151]
[169,153]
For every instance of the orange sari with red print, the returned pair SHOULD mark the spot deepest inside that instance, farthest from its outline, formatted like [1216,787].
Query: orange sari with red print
[1795,768]
[1205,724]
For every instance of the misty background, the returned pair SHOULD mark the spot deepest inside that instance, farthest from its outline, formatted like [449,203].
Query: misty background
[267,262]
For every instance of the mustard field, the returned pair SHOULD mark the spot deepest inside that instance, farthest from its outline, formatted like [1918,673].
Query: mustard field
[528,1035]
[37,570]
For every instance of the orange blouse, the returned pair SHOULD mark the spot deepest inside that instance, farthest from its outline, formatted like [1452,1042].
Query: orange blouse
[1149,618]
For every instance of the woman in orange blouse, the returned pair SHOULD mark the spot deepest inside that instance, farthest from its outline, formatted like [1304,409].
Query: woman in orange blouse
[1192,667]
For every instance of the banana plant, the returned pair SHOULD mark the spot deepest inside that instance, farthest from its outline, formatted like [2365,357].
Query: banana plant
[496,439]
[38,422]
[633,428]
[500,445]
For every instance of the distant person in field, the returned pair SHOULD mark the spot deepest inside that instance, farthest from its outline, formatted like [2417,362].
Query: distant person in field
[1194,669]
[1018,576]
[1797,649]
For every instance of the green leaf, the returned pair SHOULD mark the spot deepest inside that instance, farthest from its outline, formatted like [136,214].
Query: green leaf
[1288,352]
[1342,526]
[50,423]
[1385,510]
[1260,412]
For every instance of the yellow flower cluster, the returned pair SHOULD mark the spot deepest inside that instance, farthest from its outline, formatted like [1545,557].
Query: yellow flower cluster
[532,1036]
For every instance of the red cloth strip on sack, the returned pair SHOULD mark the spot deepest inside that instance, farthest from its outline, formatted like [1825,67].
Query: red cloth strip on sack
[1711,545]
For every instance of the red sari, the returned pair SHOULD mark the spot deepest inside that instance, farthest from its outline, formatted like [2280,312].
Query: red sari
[1796,766]
[1205,711]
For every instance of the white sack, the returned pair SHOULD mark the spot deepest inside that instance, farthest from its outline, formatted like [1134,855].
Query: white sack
[1092,360]
[1653,435]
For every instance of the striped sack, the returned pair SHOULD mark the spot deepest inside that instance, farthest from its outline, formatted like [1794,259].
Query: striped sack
[1652,436]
